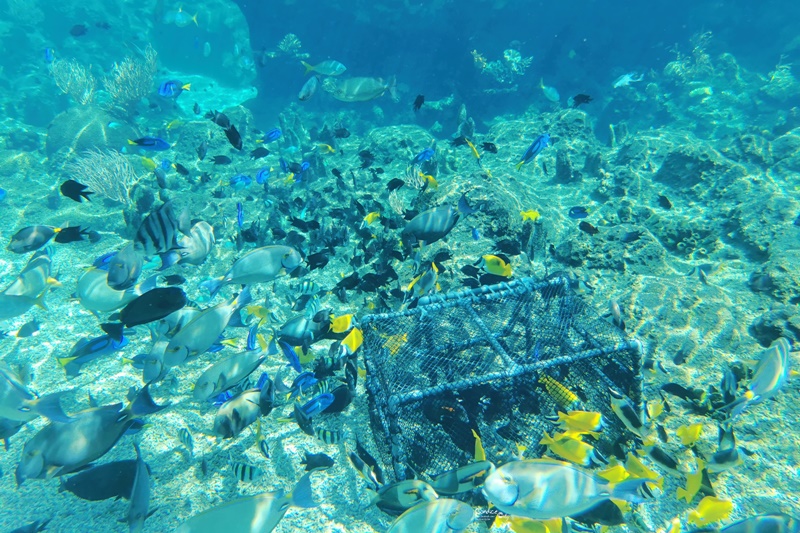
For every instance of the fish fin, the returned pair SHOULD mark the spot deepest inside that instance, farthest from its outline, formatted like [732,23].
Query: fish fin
[213,285]
[143,403]
[519,165]
[188,86]
[64,361]
[302,496]
[309,68]
[393,89]
[50,407]
[40,300]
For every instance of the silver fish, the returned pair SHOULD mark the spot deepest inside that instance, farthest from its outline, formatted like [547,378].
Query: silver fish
[543,489]
[308,89]
[196,246]
[397,498]
[258,266]
[140,495]
[95,295]
[769,376]
[19,404]
[431,225]
[359,89]
[242,410]
[227,373]
[438,516]
[124,268]
[252,514]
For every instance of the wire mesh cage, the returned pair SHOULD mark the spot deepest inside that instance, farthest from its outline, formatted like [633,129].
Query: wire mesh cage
[495,360]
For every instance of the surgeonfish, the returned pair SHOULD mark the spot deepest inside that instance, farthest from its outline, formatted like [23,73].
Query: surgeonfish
[769,376]
[87,350]
[584,421]
[244,409]
[540,143]
[430,225]
[63,447]
[436,516]
[259,513]
[32,238]
[463,478]
[227,373]
[573,449]
[124,268]
[96,296]
[140,494]
[545,488]
[102,482]
[204,329]
[29,288]
[765,523]
[710,509]
[194,247]
[258,266]
[19,404]
[396,498]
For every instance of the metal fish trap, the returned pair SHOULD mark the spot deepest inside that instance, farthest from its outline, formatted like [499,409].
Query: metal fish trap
[497,359]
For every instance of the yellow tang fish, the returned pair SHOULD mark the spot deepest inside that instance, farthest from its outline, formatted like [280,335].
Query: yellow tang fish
[304,356]
[531,214]
[694,482]
[432,183]
[340,324]
[614,473]
[710,509]
[480,453]
[562,395]
[496,265]
[370,218]
[637,469]
[689,434]
[148,163]
[328,148]
[572,449]
[177,122]
[581,420]
[289,179]
[520,524]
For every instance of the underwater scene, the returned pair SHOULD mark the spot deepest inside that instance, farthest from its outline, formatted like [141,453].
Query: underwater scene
[408,267]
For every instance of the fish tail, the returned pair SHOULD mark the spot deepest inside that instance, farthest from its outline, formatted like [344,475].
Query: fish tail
[188,86]
[633,490]
[131,142]
[50,407]
[302,496]
[143,403]
[309,68]
[194,19]
[213,285]
[244,298]
[393,88]
[40,301]
[519,165]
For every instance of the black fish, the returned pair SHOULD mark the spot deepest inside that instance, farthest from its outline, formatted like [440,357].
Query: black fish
[341,133]
[102,25]
[201,150]
[683,393]
[259,152]
[75,191]
[205,177]
[180,169]
[395,184]
[221,160]
[350,282]
[492,279]
[153,305]
[631,236]
[459,141]
[78,30]
[174,279]
[490,147]
[509,246]
[471,270]
[196,108]
[367,158]
[233,137]
[418,101]
[336,172]
[219,119]
[70,234]
[588,228]
[370,461]
[579,99]
[442,256]
[110,480]
[303,225]
[316,461]
[278,233]
[317,260]
[664,202]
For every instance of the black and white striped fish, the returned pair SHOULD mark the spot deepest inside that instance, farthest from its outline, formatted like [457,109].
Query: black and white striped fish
[185,436]
[159,231]
[245,472]
[329,437]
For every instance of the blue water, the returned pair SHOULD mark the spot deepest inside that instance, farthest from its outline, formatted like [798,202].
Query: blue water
[673,130]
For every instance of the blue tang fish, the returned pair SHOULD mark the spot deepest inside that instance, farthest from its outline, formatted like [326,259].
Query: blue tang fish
[578,212]
[151,143]
[263,176]
[241,181]
[272,135]
[423,156]
[317,404]
[239,214]
[291,356]
[86,350]
[173,88]
[540,143]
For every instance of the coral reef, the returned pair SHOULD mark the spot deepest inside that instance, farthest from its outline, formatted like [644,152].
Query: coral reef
[74,79]
[132,79]
[82,128]
[105,172]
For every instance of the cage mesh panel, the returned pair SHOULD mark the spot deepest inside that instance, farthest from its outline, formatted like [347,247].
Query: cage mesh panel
[476,359]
